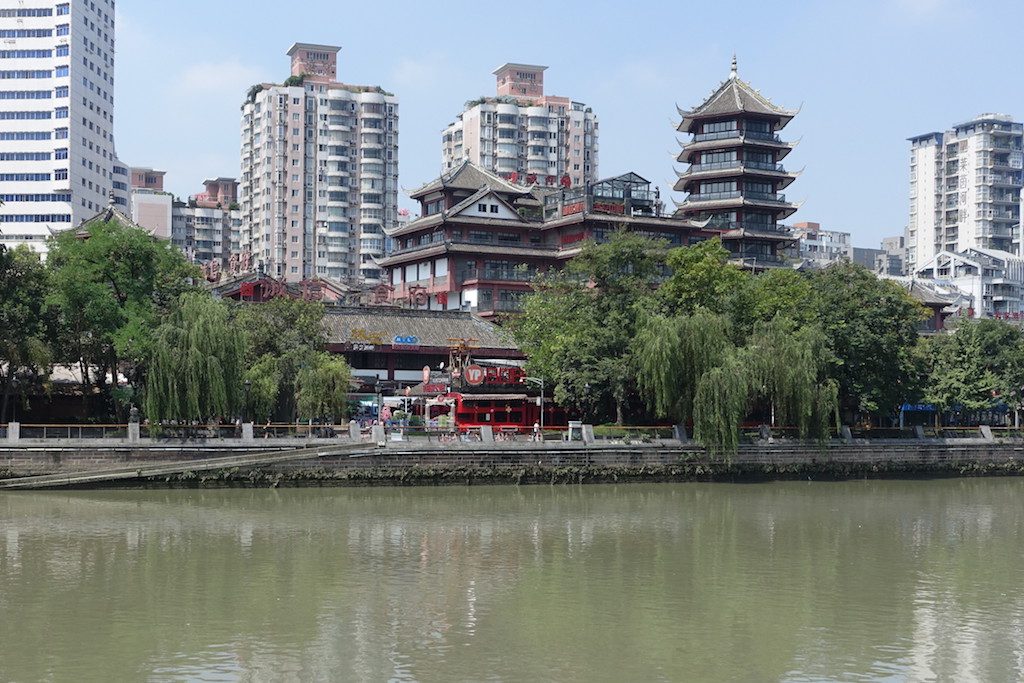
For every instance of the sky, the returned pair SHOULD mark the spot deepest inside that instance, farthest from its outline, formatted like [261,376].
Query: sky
[866,75]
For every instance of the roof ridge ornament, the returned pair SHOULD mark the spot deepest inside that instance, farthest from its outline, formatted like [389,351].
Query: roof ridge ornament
[732,70]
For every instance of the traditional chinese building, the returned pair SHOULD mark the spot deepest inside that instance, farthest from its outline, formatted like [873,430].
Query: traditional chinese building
[481,239]
[259,288]
[395,344]
[735,174]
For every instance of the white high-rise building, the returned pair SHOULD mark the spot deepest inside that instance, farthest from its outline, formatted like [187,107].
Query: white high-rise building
[524,135]
[56,116]
[965,188]
[319,180]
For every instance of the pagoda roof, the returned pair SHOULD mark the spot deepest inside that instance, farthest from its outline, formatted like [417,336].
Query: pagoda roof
[734,96]
[469,176]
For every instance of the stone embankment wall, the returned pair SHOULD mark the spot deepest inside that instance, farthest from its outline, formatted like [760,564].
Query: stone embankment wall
[408,464]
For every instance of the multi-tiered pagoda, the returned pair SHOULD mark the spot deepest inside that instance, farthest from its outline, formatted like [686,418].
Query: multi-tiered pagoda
[735,175]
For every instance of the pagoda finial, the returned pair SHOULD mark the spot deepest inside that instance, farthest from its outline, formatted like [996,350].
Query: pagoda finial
[732,71]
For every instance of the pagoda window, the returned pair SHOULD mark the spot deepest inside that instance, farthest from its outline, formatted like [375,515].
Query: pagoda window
[758,126]
[759,219]
[759,157]
[717,157]
[760,188]
[719,126]
[721,186]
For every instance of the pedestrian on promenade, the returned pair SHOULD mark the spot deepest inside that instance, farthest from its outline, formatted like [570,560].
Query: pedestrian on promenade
[536,431]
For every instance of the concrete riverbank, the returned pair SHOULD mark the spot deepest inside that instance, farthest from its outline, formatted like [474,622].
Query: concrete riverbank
[412,463]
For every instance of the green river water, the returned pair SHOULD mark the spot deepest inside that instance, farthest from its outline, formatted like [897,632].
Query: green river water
[787,581]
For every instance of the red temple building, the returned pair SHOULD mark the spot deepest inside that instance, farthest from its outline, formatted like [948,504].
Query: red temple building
[481,239]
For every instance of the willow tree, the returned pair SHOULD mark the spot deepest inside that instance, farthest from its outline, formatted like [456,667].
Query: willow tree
[322,386]
[196,363]
[672,354]
[781,368]
[788,372]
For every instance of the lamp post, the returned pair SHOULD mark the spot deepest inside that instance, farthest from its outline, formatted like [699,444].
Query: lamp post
[538,381]
[14,403]
[247,384]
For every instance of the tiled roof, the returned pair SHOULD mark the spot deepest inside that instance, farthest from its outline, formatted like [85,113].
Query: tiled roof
[431,328]
[734,96]
[469,176]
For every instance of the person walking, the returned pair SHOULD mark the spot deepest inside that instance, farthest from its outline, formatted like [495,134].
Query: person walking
[536,431]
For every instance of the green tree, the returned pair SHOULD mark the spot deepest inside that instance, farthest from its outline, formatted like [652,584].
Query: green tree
[110,286]
[775,292]
[672,354]
[781,368]
[700,277]
[977,366]
[285,337]
[871,328]
[322,387]
[195,366]
[577,329]
[24,330]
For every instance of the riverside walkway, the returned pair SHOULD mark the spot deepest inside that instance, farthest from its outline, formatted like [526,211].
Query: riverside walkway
[158,469]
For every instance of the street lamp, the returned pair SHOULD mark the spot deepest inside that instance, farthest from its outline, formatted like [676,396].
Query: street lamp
[539,381]
[247,384]
[14,403]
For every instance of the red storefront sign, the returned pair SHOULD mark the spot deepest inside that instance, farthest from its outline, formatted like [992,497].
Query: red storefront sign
[569,209]
[608,207]
[492,376]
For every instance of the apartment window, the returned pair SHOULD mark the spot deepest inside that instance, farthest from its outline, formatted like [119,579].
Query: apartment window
[482,208]
[494,208]
[63,29]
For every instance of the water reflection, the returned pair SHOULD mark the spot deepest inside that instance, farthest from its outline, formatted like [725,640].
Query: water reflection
[784,581]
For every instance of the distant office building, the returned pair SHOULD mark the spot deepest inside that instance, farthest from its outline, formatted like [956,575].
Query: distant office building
[893,261]
[147,178]
[319,180]
[206,228]
[56,117]
[822,247]
[150,206]
[867,257]
[524,135]
[964,189]
[992,280]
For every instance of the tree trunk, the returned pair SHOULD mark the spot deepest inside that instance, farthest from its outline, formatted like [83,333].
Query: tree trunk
[618,412]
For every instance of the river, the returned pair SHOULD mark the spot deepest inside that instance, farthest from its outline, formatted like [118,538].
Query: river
[786,581]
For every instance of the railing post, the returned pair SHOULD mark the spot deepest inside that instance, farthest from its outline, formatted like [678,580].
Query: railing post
[133,432]
[587,432]
[247,435]
[13,432]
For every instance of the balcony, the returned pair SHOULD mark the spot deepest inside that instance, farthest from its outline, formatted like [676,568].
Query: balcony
[714,196]
[501,306]
[758,135]
[500,274]
[720,135]
[765,197]
[715,166]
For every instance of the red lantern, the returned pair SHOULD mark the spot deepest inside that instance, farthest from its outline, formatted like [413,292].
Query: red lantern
[566,181]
